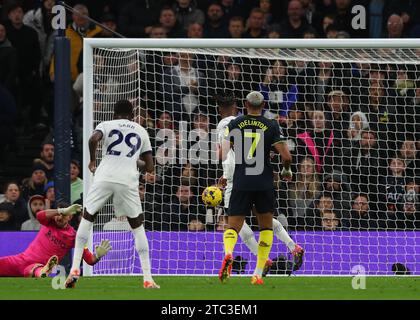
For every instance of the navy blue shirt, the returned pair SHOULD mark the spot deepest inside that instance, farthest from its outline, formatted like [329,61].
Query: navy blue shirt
[255,136]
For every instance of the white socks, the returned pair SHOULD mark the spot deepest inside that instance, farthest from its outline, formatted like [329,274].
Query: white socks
[142,247]
[282,235]
[82,237]
[247,236]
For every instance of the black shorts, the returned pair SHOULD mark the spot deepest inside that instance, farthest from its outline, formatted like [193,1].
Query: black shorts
[242,201]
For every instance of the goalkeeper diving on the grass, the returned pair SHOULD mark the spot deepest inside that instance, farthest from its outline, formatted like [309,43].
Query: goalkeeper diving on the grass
[54,240]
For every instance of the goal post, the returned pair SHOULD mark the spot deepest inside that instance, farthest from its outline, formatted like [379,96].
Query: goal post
[341,94]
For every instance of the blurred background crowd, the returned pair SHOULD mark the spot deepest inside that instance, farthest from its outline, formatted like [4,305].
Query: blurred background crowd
[351,127]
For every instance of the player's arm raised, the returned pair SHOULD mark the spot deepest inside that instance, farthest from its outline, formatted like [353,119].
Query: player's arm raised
[93,145]
[45,216]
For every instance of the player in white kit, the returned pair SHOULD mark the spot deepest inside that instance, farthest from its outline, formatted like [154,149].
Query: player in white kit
[124,142]
[228,111]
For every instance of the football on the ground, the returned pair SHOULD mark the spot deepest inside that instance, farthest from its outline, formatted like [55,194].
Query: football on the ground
[212,196]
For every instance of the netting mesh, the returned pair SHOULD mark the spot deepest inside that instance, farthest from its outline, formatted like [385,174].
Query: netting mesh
[351,121]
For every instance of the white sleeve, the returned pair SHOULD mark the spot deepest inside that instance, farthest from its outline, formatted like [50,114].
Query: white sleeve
[146,146]
[101,127]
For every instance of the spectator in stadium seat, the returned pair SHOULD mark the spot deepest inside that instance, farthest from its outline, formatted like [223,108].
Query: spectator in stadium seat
[12,193]
[7,220]
[49,195]
[310,33]
[265,7]
[274,31]
[406,212]
[330,220]
[40,20]
[339,114]
[8,62]
[324,203]
[234,8]
[409,218]
[165,121]
[221,224]
[295,24]
[182,86]
[109,21]
[255,25]
[395,27]
[167,19]
[408,152]
[145,120]
[236,27]
[344,18]
[329,77]
[215,26]
[279,95]
[303,191]
[332,31]
[187,13]
[195,30]
[312,14]
[361,216]
[326,22]
[230,76]
[25,40]
[404,86]
[8,117]
[79,29]
[338,185]
[47,159]
[76,186]
[196,225]
[358,124]
[183,208]
[158,32]
[379,108]
[302,73]
[36,203]
[392,190]
[36,183]
[137,17]
[364,163]
[318,142]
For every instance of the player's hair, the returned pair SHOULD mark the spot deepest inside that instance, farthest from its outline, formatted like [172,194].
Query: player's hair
[225,100]
[123,108]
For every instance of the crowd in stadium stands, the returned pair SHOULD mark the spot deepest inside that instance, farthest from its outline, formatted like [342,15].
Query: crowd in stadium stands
[352,129]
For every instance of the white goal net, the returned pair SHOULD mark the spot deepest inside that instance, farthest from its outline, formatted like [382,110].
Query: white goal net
[351,118]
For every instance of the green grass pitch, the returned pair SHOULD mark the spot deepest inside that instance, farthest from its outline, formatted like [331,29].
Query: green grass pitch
[208,288]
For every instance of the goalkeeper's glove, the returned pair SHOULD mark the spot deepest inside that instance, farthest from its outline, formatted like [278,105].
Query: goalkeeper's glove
[102,249]
[73,209]
[286,174]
